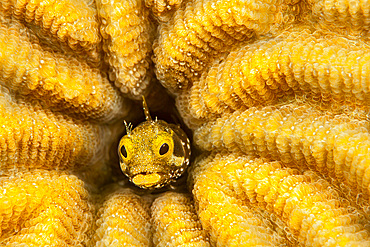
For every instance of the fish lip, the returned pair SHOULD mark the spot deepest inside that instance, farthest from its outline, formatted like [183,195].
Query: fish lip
[159,182]
[148,173]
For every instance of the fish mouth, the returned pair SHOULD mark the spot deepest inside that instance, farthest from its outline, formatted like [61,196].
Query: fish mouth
[148,179]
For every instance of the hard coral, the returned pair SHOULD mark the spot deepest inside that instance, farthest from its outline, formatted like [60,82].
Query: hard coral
[281,69]
[200,31]
[123,218]
[44,208]
[334,145]
[32,137]
[127,39]
[60,83]
[275,92]
[228,219]
[163,9]
[273,80]
[176,223]
[57,116]
[308,206]
[72,22]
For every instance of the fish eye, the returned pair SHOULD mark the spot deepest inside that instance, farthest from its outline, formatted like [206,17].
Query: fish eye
[164,149]
[123,151]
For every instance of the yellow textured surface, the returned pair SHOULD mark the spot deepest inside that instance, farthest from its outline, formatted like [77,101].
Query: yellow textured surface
[282,69]
[304,64]
[163,9]
[127,39]
[35,138]
[56,113]
[186,109]
[175,222]
[333,145]
[70,21]
[44,208]
[347,17]
[201,30]
[123,219]
[313,212]
[60,83]
[226,218]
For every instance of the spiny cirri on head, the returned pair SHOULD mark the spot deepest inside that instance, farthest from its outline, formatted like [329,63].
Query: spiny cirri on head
[154,153]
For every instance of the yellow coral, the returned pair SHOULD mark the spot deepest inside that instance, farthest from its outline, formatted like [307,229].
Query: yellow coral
[175,222]
[343,16]
[127,39]
[300,135]
[60,83]
[54,115]
[310,208]
[201,30]
[227,220]
[219,58]
[70,21]
[186,110]
[35,138]
[44,208]
[273,71]
[163,9]
[124,218]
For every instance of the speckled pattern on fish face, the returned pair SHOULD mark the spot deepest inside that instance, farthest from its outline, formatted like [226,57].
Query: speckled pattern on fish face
[154,154]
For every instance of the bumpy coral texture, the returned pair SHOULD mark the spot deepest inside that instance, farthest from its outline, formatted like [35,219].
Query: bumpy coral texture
[202,30]
[127,34]
[35,138]
[286,81]
[275,93]
[334,145]
[163,9]
[311,209]
[72,22]
[175,222]
[224,215]
[60,83]
[57,116]
[281,69]
[124,218]
[44,208]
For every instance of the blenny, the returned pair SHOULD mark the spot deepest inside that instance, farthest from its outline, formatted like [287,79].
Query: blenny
[155,153]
